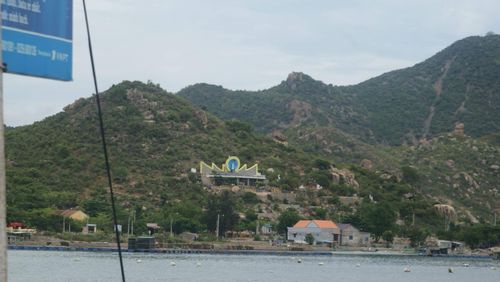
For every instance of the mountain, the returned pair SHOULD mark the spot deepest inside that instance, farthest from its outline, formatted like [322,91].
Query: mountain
[399,119]
[460,84]
[397,144]
[154,140]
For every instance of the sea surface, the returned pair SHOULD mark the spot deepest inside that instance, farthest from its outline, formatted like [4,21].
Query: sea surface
[92,266]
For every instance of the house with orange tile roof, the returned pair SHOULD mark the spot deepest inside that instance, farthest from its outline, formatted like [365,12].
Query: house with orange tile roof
[323,231]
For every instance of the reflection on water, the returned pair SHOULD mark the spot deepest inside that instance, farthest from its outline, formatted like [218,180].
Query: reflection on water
[85,266]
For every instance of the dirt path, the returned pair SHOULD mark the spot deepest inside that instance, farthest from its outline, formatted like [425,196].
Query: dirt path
[438,88]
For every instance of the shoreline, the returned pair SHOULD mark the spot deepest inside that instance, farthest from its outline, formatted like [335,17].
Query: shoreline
[234,252]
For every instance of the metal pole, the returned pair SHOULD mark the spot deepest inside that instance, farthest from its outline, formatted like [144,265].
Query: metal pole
[171,226]
[217,228]
[3,195]
[133,221]
[128,226]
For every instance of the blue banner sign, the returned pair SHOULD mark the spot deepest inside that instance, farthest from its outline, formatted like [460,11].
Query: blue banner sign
[37,37]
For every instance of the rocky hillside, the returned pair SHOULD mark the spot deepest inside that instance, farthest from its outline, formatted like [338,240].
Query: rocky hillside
[154,140]
[457,85]
[398,119]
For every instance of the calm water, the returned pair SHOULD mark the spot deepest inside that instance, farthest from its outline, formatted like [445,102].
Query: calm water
[86,266]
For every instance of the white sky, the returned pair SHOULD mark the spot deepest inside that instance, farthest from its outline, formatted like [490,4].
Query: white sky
[246,44]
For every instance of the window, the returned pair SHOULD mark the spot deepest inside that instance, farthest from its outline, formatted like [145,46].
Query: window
[351,237]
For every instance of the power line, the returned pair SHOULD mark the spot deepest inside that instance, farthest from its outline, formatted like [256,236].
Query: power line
[104,146]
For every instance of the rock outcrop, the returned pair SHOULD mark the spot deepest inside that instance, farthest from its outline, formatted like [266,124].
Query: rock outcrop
[344,176]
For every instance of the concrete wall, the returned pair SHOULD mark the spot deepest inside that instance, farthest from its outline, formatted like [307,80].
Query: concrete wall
[354,238]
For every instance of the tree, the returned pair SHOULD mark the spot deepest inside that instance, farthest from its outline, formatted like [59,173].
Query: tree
[410,174]
[417,235]
[377,218]
[320,213]
[388,237]
[222,207]
[309,239]
[287,219]
[322,164]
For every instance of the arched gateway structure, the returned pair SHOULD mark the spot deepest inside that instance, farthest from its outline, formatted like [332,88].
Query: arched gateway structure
[231,172]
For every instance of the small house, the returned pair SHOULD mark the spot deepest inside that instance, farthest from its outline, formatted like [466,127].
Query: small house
[266,229]
[351,236]
[89,228]
[323,231]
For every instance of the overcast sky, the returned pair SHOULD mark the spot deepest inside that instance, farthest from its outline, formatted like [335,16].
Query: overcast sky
[246,44]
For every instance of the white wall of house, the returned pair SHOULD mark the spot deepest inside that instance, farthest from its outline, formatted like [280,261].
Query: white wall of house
[321,235]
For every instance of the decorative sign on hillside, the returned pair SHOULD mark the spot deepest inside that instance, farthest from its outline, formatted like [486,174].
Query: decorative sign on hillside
[233,163]
[37,37]
[231,172]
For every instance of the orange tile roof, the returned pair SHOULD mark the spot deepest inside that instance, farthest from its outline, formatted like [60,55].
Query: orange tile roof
[325,224]
[319,223]
[301,224]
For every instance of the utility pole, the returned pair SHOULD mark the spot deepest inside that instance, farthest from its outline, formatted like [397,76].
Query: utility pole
[133,220]
[217,227]
[171,219]
[128,226]
[3,195]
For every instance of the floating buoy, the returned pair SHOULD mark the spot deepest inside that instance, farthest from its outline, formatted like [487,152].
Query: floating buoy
[407,269]
[320,263]
[450,270]
[299,260]
[466,265]
[172,263]
[139,261]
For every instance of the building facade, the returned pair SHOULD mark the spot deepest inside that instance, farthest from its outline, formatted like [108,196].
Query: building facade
[323,232]
[230,173]
[328,232]
[351,236]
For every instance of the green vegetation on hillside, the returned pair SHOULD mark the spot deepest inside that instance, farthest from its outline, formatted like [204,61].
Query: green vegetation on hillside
[323,148]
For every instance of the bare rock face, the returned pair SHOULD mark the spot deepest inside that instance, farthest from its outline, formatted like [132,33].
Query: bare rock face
[202,117]
[459,129]
[366,164]
[424,143]
[279,137]
[293,78]
[301,111]
[471,217]
[143,104]
[470,180]
[344,176]
[450,163]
